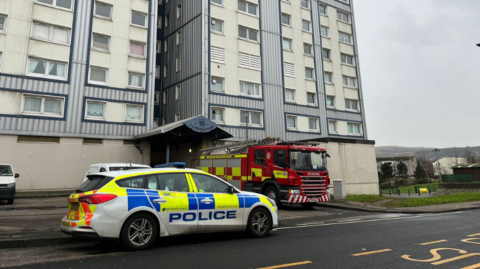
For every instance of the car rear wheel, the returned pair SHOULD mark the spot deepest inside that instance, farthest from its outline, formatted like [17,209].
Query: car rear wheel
[308,205]
[139,232]
[10,201]
[259,222]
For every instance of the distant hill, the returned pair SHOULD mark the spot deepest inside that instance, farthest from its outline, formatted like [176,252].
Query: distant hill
[387,151]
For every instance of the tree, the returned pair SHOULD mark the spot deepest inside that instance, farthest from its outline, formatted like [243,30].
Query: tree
[420,174]
[470,156]
[381,178]
[386,170]
[426,163]
[402,170]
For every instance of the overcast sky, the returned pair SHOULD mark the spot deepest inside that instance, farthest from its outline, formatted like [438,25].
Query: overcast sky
[421,71]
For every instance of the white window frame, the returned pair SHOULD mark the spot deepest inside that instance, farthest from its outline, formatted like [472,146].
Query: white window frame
[313,73]
[157,96]
[137,43]
[99,49]
[165,97]
[296,122]
[311,49]
[314,99]
[159,46]
[164,121]
[165,45]
[96,82]
[331,77]
[360,131]
[335,131]
[308,4]
[289,41]
[100,16]
[341,15]
[165,70]
[215,21]
[254,85]
[328,54]
[326,29]
[289,19]
[55,6]
[167,19]
[343,41]
[47,65]
[42,107]
[309,26]
[179,11]
[50,33]
[294,96]
[135,87]
[142,113]
[343,55]
[217,108]
[248,34]
[159,22]
[178,36]
[178,92]
[350,103]
[250,118]
[223,84]
[333,101]
[246,11]
[343,1]
[137,25]
[217,4]
[5,25]
[177,117]
[348,81]
[316,125]
[325,8]
[92,117]
[158,71]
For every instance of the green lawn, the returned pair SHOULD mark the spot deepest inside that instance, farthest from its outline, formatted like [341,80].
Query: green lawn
[433,186]
[414,202]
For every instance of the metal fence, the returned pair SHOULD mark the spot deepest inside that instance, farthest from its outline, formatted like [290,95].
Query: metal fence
[457,178]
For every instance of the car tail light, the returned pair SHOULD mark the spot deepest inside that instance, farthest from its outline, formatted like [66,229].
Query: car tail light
[96,198]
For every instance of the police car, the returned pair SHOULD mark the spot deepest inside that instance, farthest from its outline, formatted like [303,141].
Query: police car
[138,206]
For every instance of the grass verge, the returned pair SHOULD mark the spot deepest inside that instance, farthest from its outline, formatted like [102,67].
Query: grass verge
[366,198]
[415,202]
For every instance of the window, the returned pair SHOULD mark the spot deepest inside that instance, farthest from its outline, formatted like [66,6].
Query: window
[217,26]
[67,4]
[326,54]
[353,128]
[285,19]
[343,17]
[217,54]
[306,25]
[289,95]
[135,183]
[165,70]
[259,155]
[349,81]
[135,80]
[179,11]
[92,141]
[287,44]
[152,183]
[289,69]
[309,73]
[100,42]
[247,33]
[307,49]
[134,113]
[157,72]
[43,105]
[165,96]
[103,10]
[166,45]
[177,117]
[253,118]
[251,89]
[208,184]
[330,101]
[217,114]
[276,156]
[173,182]
[322,9]
[324,31]
[167,20]
[178,92]
[98,75]
[248,8]
[304,3]
[137,49]
[313,124]
[178,64]
[179,37]
[46,69]
[51,33]
[327,77]
[164,121]
[347,59]
[344,1]
[291,122]
[156,99]
[159,22]
[139,19]
[332,126]
[346,38]
[351,104]
[217,84]
[249,61]
[3,24]
[311,98]
[159,46]
[218,2]
[95,110]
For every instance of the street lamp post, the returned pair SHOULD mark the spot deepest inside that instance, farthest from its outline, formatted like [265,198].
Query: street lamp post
[438,164]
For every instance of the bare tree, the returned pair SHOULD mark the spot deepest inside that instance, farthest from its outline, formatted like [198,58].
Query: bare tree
[470,156]
[426,163]
[456,155]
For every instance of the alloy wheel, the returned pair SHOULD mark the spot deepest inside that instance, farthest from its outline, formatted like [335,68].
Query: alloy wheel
[140,232]
[260,222]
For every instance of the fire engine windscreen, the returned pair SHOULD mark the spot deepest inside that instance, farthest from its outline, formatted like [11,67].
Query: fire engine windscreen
[308,161]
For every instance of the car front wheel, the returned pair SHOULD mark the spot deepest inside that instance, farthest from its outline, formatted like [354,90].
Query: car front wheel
[139,232]
[259,222]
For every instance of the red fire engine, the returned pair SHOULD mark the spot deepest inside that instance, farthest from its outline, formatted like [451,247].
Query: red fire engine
[286,172]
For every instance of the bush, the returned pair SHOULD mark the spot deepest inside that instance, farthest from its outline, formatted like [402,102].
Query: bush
[421,181]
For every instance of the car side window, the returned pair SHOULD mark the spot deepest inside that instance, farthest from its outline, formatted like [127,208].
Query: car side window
[152,182]
[260,157]
[103,170]
[173,182]
[136,182]
[209,184]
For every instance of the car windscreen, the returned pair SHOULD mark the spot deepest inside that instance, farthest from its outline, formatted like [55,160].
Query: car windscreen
[93,183]
[6,171]
[124,168]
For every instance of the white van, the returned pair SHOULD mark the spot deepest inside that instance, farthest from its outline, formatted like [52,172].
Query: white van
[7,183]
[107,167]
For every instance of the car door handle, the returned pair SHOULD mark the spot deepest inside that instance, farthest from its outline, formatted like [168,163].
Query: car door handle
[206,201]
[159,201]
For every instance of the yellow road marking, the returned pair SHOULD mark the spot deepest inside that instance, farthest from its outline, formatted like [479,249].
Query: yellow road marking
[286,265]
[433,242]
[372,252]
[472,266]
[456,258]
[473,235]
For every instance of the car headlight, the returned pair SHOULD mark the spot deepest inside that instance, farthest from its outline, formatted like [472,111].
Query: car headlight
[272,201]
[11,185]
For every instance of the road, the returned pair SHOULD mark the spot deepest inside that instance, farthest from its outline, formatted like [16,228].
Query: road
[320,238]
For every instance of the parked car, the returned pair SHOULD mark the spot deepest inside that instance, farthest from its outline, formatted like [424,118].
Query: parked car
[7,183]
[109,167]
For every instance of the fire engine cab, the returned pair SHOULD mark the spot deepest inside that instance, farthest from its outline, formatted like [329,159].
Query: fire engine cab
[286,172]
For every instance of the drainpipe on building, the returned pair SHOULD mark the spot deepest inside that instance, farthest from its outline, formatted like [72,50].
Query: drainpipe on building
[139,149]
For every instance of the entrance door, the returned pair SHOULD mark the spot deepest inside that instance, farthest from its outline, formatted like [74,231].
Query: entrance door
[258,165]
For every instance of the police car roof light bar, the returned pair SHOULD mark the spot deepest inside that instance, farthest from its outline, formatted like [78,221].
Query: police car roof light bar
[174,164]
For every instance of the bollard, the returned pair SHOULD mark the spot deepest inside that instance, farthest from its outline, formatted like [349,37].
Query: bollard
[398,192]
[408,192]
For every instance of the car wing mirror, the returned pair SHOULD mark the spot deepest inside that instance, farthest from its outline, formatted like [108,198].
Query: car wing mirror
[17,175]
[231,189]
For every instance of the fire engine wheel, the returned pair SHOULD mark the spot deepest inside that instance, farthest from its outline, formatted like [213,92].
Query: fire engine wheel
[139,232]
[308,205]
[272,193]
[259,222]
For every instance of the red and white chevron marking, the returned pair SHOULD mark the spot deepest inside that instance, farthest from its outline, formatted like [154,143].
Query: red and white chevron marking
[298,199]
